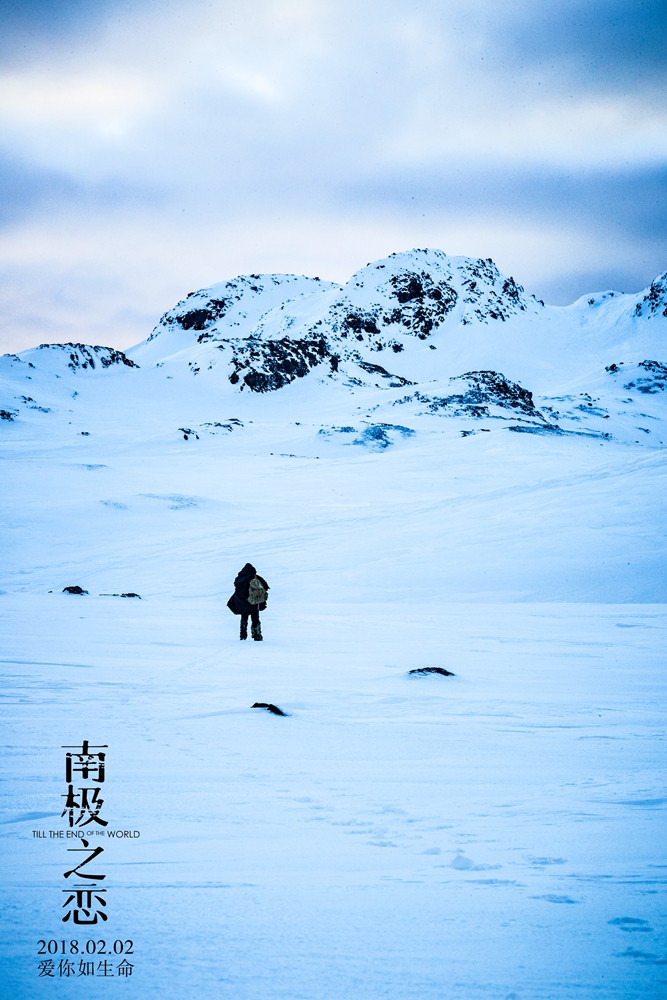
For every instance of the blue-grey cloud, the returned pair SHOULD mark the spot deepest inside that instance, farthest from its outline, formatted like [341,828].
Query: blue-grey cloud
[218,129]
[631,199]
[608,42]
[26,189]
[29,26]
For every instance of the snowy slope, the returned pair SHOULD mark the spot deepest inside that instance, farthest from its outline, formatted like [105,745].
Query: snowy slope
[431,468]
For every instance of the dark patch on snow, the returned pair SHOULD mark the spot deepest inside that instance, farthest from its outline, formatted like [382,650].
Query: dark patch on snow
[76,589]
[651,376]
[8,414]
[270,708]
[645,957]
[377,435]
[547,428]
[551,897]
[30,403]
[655,379]
[591,410]
[631,924]
[129,594]
[176,501]
[217,425]
[542,429]
[432,670]
[327,431]
[187,433]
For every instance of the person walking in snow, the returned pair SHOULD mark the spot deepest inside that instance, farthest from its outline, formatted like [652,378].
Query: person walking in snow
[249,598]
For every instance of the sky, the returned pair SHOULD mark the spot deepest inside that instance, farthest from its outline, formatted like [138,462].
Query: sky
[149,148]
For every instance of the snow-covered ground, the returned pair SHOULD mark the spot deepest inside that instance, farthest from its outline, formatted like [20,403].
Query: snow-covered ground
[498,833]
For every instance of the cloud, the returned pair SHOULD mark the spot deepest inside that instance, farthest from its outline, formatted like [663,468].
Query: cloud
[31,29]
[215,137]
[602,43]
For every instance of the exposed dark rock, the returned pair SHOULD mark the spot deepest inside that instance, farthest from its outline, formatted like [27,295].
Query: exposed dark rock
[8,414]
[202,311]
[377,435]
[74,590]
[395,381]
[265,365]
[655,300]
[655,379]
[490,294]
[337,430]
[411,300]
[424,302]
[484,389]
[202,316]
[122,595]
[591,410]
[357,323]
[548,428]
[199,319]
[187,433]
[217,425]
[432,670]
[84,356]
[270,708]
[32,405]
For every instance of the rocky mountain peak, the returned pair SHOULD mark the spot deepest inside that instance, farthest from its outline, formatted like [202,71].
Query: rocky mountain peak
[653,301]
[234,307]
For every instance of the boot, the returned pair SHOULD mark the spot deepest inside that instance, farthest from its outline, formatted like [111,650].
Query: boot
[244,630]
[256,632]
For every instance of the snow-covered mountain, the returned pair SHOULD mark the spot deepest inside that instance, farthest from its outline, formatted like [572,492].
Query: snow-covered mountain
[417,335]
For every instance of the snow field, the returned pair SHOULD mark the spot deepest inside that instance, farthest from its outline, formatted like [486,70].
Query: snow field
[491,833]
[494,834]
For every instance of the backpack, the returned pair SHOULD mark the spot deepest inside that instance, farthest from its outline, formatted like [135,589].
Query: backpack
[257,593]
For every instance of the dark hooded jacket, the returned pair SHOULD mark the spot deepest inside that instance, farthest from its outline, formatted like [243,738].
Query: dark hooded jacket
[238,603]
